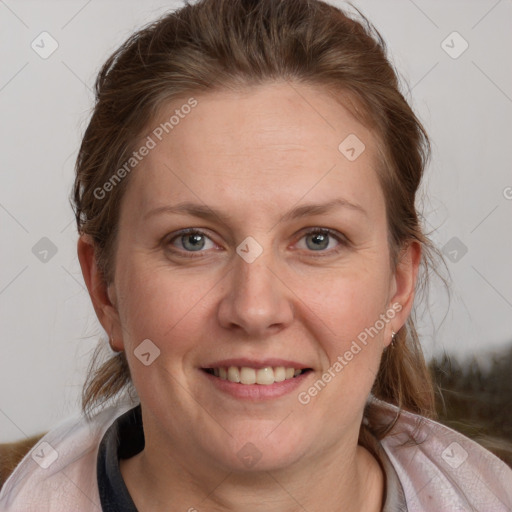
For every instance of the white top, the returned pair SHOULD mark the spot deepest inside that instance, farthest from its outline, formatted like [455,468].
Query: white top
[443,471]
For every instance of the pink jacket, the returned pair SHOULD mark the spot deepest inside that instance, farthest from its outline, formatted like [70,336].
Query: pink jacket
[446,472]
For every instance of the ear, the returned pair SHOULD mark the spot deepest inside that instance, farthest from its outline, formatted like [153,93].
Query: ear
[403,286]
[102,295]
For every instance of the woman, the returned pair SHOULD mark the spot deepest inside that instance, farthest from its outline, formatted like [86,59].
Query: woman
[245,198]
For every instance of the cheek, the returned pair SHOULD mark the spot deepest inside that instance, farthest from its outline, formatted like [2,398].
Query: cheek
[348,313]
[347,301]
[160,304]
[165,308]
[350,318]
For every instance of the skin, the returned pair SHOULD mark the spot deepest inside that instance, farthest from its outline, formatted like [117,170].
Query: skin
[254,155]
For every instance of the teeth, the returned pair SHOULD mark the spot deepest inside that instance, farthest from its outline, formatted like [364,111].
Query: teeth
[247,375]
[264,376]
[233,374]
[279,374]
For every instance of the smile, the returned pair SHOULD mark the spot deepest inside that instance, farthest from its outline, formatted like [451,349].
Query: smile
[264,376]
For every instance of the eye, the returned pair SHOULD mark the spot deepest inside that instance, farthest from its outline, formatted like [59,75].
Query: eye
[194,240]
[318,239]
[190,240]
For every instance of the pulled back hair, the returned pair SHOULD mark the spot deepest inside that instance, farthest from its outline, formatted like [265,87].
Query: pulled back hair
[217,45]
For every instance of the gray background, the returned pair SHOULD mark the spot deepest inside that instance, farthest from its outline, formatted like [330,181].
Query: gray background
[48,326]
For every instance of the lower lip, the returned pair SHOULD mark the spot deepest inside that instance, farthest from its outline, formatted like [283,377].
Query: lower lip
[257,391]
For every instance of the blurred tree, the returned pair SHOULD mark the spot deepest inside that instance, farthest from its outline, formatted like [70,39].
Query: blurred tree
[476,399]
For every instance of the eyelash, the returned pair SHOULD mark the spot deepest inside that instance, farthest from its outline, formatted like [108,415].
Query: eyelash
[343,242]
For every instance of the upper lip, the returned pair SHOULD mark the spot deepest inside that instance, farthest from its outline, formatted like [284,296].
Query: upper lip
[256,363]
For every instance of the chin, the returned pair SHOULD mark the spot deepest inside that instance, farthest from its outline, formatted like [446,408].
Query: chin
[254,453]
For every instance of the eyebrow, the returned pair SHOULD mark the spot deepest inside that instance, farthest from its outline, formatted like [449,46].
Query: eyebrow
[208,213]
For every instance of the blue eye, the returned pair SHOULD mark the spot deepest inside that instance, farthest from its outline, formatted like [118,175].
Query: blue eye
[194,240]
[320,239]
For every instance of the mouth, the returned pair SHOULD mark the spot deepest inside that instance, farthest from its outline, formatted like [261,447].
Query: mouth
[246,375]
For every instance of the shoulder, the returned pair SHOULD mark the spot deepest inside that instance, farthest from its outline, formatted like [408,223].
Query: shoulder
[441,469]
[60,470]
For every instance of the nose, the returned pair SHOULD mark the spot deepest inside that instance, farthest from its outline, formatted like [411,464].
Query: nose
[256,298]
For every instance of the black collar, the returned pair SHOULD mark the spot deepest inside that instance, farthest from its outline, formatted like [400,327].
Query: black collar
[123,439]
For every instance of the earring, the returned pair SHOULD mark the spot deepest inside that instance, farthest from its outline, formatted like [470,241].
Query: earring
[393,336]
[111,343]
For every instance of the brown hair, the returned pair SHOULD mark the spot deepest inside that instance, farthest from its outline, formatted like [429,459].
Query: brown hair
[226,44]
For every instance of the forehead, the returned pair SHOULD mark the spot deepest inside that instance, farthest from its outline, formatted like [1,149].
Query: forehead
[274,142]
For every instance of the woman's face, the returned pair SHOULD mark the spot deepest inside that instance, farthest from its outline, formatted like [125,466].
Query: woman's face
[255,288]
